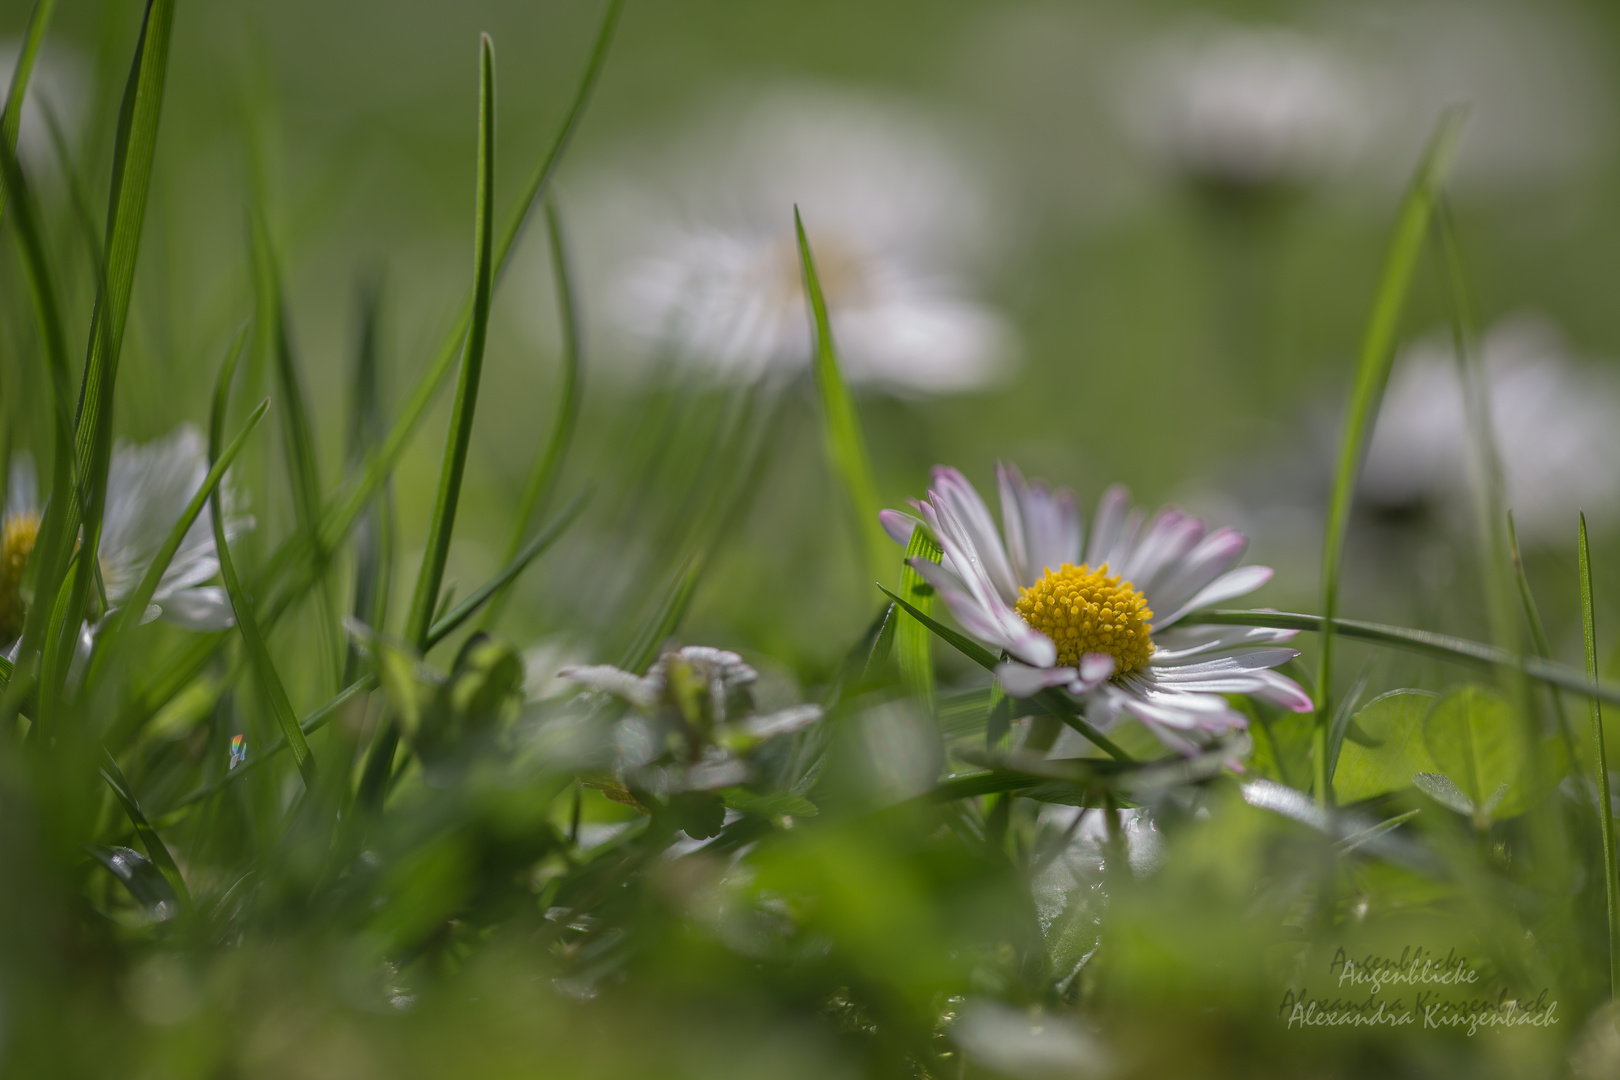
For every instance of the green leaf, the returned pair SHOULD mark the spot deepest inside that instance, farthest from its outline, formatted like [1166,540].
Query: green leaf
[1471,735]
[846,446]
[454,464]
[542,479]
[913,642]
[246,623]
[374,534]
[1372,373]
[769,804]
[1384,747]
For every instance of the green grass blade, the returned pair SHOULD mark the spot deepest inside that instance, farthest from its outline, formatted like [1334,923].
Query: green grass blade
[846,446]
[542,478]
[156,850]
[246,623]
[448,623]
[442,524]
[11,120]
[373,537]
[667,619]
[1538,637]
[347,507]
[912,640]
[1424,642]
[133,611]
[53,548]
[1372,373]
[1611,884]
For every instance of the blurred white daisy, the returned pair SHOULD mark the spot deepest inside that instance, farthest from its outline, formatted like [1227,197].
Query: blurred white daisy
[1097,617]
[148,487]
[707,270]
[1556,422]
[1246,107]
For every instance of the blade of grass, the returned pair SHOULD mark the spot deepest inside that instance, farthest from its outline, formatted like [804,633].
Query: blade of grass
[133,155]
[846,446]
[543,477]
[912,640]
[666,619]
[442,523]
[373,537]
[348,505]
[345,507]
[1372,372]
[17,92]
[132,613]
[1425,642]
[1611,884]
[1538,638]
[1052,701]
[47,566]
[246,623]
[273,345]
[156,850]
[447,623]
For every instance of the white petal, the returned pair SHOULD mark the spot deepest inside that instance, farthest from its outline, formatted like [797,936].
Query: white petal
[1284,692]
[206,608]
[1042,526]
[951,492]
[986,618]
[1182,644]
[1023,681]
[1213,556]
[1232,584]
[1168,540]
[898,525]
[1111,510]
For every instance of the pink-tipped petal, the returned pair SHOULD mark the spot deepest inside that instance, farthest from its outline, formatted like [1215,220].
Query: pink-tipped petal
[898,525]
[1023,681]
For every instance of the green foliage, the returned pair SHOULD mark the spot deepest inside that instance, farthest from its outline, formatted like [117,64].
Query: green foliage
[1385,746]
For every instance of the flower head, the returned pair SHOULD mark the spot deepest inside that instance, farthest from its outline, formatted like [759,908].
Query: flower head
[148,489]
[1244,107]
[1097,615]
[708,272]
[1556,423]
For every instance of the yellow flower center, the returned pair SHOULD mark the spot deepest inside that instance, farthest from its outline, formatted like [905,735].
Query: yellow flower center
[1090,611]
[16,544]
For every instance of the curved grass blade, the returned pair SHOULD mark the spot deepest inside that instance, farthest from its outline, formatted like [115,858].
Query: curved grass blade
[846,446]
[1052,701]
[373,537]
[246,622]
[1372,373]
[542,479]
[913,643]
[135,607]
[448,623]
[1425,642]
[1538,637]
[17,91]
[1611,884]
[156,850]
[346,508]
[666,620]
[443,522]
[126,214]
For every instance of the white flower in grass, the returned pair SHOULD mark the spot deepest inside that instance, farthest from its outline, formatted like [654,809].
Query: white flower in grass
[1097,616]
[708,270]
[148,488]
[1244,107]
[1556,422]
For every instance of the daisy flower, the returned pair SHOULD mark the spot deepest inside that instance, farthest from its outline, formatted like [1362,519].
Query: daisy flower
[1097,615]
[148,487]
[704,264]
[1556,423]
[1247,107]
